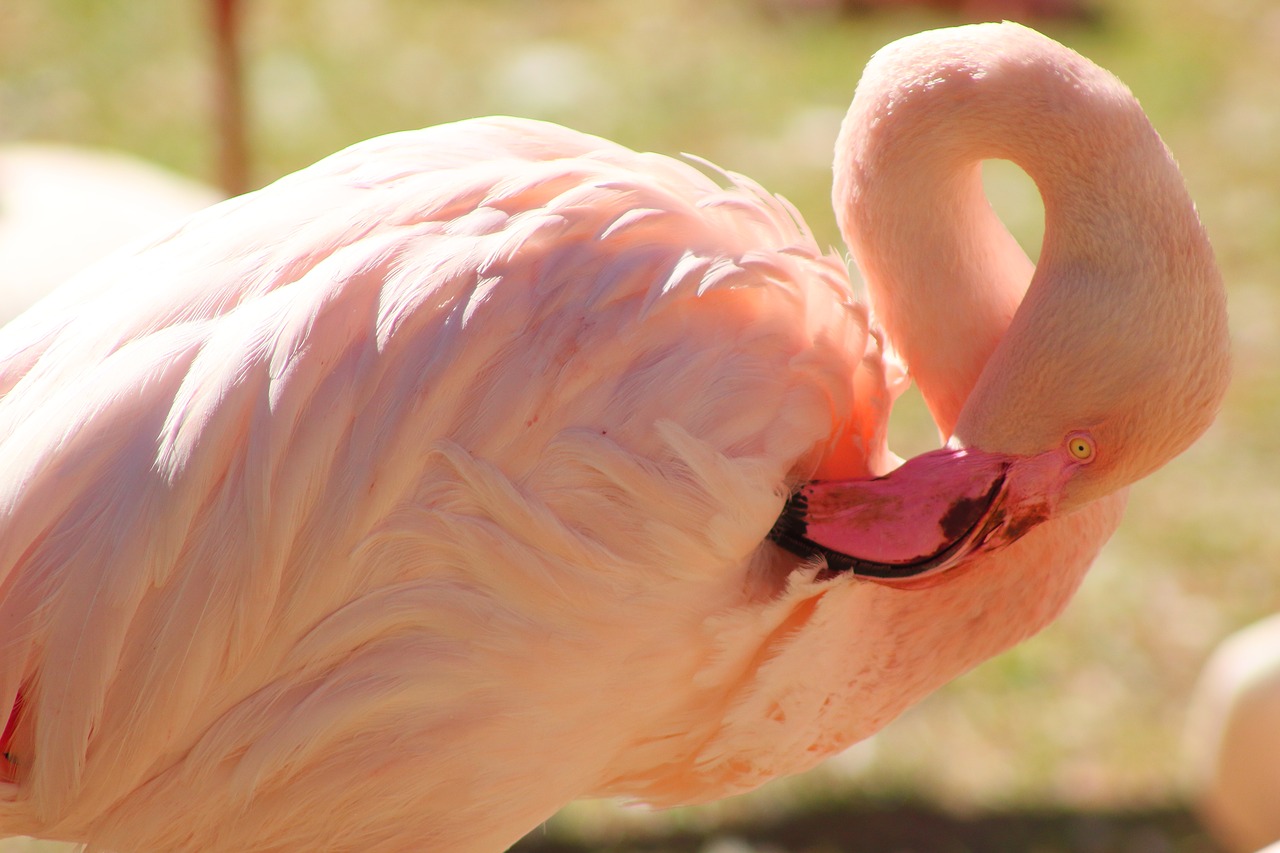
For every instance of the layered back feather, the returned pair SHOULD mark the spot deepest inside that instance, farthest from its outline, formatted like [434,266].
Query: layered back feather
[327,517]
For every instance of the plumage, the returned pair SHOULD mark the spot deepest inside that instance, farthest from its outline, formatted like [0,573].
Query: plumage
[401,502]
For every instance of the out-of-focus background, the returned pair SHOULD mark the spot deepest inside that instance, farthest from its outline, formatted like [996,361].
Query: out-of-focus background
[1070,742]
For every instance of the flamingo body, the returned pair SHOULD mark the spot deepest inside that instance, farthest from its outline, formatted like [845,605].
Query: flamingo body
[475,366]
[401,502]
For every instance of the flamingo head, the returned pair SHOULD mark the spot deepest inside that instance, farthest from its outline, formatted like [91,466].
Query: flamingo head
[1076,403]
[1029,446]
[1058,390]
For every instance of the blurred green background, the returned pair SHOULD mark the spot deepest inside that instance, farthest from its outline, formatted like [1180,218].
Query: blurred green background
[1070,742]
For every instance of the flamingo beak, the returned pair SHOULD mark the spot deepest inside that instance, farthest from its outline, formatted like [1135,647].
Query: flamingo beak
[909,527]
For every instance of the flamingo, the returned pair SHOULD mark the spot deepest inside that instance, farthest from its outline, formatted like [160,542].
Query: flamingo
[479,468]
[1233,734]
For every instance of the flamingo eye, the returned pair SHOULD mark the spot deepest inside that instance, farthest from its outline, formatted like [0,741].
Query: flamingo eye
[1081,447]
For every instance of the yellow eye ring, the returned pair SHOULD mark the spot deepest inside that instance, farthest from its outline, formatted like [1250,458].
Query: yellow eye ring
[1081,447]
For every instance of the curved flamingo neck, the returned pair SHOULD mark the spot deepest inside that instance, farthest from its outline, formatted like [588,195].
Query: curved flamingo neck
[945,277]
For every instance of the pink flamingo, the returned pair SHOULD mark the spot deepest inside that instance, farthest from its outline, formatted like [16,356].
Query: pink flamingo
[401,502]
[1233,734]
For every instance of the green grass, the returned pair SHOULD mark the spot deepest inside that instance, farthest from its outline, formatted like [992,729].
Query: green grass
[1088,714]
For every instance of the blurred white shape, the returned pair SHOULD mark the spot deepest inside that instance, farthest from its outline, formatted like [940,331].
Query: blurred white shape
[1233,739]
[62,208]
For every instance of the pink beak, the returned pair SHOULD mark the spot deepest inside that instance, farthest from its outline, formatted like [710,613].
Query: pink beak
[907,528]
